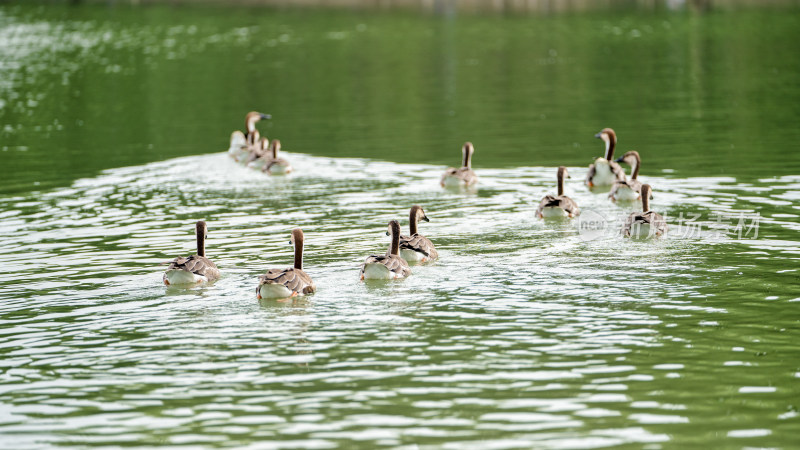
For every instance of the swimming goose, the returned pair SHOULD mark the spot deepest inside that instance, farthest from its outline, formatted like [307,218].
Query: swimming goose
[252,137]
[238,145]
[628,190]
[250,122]
[647,223]
[463,176]
[417,247]
[196,268]
[277,283]
[259,155]
[242,154]
[275,165]
[388,266]
[604,171]
[560,205]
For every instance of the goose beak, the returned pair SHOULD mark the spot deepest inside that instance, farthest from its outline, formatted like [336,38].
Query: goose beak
[425,218]
[387,233]
[619,160]
[266,116]
[598,135]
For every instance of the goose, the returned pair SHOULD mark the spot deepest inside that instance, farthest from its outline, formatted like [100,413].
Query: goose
[243,153]
[604,171]
[646,223]
[238,147]
[560,205]
[258,157]
[250,122]
[463,176]
[628,190]
[251,137]
[275,165]
[388,266]
[416,247]
[195,269]
[277,283]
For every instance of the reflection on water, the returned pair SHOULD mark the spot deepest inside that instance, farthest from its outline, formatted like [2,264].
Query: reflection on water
[522,332]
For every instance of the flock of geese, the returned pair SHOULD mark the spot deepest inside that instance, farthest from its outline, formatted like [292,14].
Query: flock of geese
[257,152]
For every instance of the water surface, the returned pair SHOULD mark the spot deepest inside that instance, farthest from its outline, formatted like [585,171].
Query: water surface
[114,123]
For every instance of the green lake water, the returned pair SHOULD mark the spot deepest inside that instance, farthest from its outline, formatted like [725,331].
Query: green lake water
[114,123]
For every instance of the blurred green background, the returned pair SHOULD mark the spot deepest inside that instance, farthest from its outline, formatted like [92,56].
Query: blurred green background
[93,87]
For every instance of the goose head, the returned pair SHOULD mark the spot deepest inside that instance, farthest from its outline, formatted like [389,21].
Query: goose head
[252,117]
[415,216]
[394,228]
[610,138]
[632,159]
[467,152]
[418,214]
[297,237]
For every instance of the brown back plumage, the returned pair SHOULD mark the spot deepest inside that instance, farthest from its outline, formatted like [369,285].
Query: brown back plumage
[197,264]
[296,280]
[419,244]
[635,185]
[293,278]
[658,225]
[464,173]
[391,259]
[394,263]
[559,201]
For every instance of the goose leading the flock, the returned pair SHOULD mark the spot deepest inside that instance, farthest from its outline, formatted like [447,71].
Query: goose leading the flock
[277,283]
[604,171]
[389,266]
[196,268]
[559,205]
[416,247]
[628,190]
[250,123]
[463,176]
[646,223]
